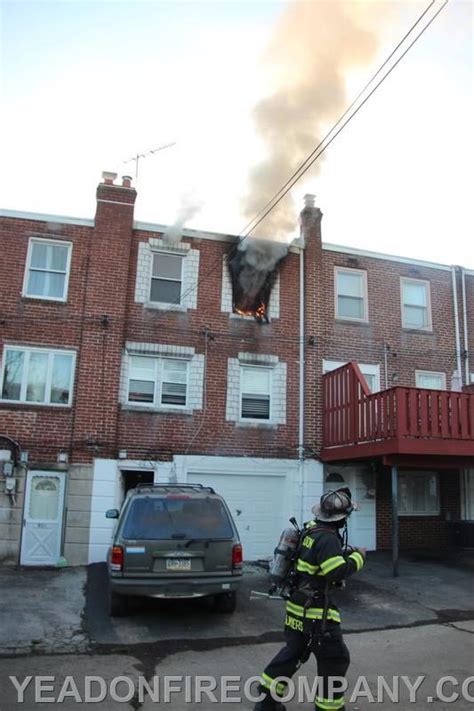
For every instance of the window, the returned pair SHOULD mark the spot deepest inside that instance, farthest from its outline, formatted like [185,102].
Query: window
[370,372]
[37,375]
[47,269]
[175,518]
[351,294]
[418,494]
[159,382]
[416,305]
[255,388]
[431,380]
[166,278]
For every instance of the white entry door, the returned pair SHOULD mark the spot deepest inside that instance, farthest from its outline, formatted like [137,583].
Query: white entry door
[42,518]
[361,525]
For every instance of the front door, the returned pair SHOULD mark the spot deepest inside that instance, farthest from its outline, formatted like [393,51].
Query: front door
[42,518]
[361,524]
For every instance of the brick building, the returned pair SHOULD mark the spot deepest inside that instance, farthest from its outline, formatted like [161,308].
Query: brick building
[123,361]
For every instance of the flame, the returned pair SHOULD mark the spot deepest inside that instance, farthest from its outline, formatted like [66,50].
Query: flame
[260,314]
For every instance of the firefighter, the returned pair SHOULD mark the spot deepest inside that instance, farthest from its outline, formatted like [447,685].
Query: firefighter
[312,622]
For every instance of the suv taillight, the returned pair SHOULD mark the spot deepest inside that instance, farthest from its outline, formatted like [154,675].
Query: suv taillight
[116,559]
[237,556]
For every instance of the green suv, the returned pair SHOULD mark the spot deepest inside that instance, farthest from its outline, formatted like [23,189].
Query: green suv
[172,541]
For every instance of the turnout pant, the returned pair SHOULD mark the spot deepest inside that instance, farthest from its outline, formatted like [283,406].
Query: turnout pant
[332,658]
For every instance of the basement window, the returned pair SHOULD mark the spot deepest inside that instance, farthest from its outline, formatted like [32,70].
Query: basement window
[430,379]
[255,389]
[158,382]
[47,269]
[418,493]
[166,278]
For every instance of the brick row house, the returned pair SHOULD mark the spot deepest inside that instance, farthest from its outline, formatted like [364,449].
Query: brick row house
[130,355]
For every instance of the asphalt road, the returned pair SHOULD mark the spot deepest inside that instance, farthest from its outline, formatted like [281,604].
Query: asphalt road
[430,651]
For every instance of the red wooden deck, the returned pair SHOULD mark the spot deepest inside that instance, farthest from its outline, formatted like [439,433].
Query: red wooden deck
[398,422]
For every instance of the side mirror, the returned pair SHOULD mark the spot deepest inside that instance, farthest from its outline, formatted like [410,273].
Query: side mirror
[112,513]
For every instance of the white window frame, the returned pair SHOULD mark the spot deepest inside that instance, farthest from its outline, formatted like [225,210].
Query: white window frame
[24,383]
[158,384]
[256,420]
[55,243]
[427,285]
[430,372]
[365,369]
[181,257]
[365,295]
[421,474]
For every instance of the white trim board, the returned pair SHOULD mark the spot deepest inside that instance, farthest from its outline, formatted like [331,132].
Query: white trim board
[19,214]
[387,257]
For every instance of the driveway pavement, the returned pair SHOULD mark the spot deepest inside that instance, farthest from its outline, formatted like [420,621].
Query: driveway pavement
[65,611]
[427,591]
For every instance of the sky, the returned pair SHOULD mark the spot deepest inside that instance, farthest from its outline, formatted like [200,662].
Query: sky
[87,85]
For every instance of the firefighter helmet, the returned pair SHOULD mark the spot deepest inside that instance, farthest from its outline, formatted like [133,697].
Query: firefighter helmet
[334,505]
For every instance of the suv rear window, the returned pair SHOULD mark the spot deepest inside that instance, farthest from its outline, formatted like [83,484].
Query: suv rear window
[162,518]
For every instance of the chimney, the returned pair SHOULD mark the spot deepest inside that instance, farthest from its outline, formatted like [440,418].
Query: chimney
[113,228]
[108,177]
[310,221]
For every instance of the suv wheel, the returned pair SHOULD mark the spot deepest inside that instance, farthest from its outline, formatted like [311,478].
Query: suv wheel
[118,605]
[226,602]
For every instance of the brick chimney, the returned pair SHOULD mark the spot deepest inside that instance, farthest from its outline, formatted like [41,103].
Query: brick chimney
[110,251]
[108,274]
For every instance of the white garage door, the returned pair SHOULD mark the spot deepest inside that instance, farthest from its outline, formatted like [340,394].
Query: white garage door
[257,504]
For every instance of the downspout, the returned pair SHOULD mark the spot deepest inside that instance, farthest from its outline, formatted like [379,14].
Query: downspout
[456,322]
[464,315]
[301,383]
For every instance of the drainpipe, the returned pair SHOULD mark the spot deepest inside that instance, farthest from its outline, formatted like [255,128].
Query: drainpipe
[386,348]
[301,383]
[456,322]
[464,315]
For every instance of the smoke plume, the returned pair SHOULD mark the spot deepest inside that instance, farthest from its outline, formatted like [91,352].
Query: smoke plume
[314,46]
[188,208]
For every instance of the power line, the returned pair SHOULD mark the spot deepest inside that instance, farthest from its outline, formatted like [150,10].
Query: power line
[314,155]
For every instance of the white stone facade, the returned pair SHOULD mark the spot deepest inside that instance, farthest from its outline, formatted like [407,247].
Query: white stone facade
[226,296]
[190,273]
[194,396]
[277,395]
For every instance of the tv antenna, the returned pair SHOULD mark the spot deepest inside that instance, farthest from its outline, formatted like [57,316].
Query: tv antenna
[137,157]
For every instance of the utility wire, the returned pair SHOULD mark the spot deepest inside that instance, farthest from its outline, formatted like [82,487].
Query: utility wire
[315,154]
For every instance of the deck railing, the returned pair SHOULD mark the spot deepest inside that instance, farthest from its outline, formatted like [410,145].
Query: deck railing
[352,415]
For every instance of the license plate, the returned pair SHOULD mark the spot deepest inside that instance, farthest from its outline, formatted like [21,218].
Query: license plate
[177,564]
